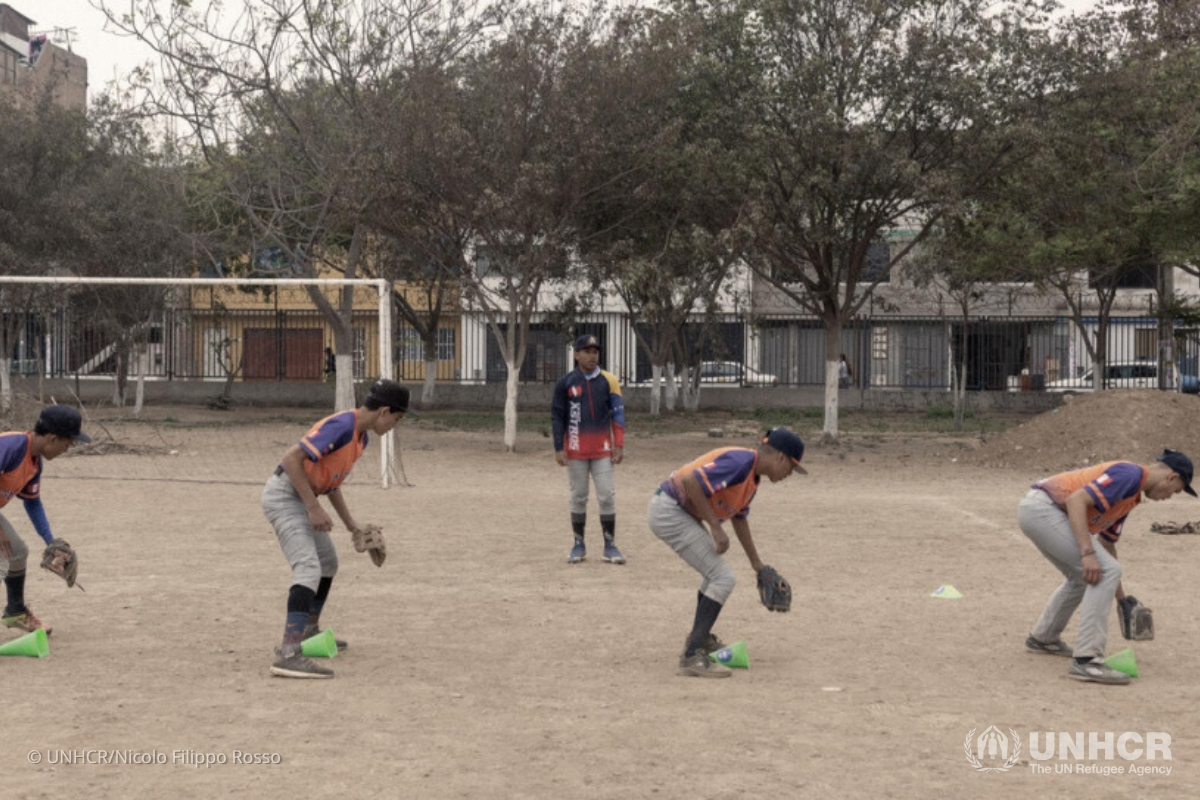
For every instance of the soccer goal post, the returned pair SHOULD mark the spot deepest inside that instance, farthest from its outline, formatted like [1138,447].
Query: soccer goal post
[18,294]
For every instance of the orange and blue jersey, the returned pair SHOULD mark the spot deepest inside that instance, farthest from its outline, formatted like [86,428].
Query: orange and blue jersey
[726,476]
[331,448]
[1114,486]
[20,472]
[588,414]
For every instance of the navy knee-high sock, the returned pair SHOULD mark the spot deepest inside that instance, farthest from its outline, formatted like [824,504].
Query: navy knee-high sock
[300,600]
[318,603]
[14,585]
[707,611]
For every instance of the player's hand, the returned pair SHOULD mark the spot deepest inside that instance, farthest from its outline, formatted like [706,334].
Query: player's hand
[1091,569]
[319,519]
[618,455]
[561,457]
[720,538]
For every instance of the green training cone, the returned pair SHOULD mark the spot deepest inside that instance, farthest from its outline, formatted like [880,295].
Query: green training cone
[733,656]
[1124,661]
[947,592]
[31,644]
[323,645]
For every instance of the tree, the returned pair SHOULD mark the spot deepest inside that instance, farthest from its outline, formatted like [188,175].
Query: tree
[283,101]
[867,117]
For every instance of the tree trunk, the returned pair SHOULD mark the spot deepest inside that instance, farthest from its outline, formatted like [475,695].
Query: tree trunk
[510,407]
[671,390]
[429,388]
[343,390]
[833,350]
[656,372]
[6,391]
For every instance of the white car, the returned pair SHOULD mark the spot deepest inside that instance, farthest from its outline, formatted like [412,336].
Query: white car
[732,373]
[1121,375]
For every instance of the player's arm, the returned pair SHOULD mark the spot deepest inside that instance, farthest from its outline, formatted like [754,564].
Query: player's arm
[699,501]
[616,418]
[338,501]
[741,526]
[293,465]
[1079,505]
[558,421]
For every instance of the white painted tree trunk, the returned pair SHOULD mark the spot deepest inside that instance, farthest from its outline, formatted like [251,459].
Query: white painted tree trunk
[656,387]
[139,394]
[6,390]
[830,432]
[343,392]
[510,407]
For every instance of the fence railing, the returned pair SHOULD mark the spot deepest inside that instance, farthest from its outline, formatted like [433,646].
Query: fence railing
[884,352]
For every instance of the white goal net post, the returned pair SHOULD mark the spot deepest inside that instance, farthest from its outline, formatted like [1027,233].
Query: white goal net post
[383,314]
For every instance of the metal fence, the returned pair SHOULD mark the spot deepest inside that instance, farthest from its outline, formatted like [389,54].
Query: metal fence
[884,352]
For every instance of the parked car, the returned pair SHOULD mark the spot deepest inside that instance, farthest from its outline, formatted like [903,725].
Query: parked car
[734,373]
[1121,375]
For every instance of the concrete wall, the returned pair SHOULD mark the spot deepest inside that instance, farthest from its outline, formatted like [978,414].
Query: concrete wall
[534,398]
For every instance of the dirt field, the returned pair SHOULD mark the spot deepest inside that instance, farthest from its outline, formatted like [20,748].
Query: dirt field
[481,665]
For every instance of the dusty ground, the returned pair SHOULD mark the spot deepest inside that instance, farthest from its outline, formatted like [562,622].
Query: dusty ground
[481,665]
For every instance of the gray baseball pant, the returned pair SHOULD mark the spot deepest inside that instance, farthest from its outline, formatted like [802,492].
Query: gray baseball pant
[1048,528]
[20,551]
[601,471]
[310,552]
[688,537]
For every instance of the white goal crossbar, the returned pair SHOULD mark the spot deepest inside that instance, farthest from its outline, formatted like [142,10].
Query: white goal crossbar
[382,287]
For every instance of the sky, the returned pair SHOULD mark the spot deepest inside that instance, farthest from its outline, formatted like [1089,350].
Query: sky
[112,57]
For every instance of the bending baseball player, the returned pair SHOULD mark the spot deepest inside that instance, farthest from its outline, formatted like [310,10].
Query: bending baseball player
[1075,519]
[21,457]
[315,466]
[716,488]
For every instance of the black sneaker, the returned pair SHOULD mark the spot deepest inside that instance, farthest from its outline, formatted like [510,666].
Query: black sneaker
[698,665]
[299,666]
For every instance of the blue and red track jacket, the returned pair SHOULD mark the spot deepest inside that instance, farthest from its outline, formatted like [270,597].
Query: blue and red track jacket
[588,413]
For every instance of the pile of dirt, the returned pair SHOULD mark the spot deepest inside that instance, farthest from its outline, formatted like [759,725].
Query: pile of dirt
[1128,424]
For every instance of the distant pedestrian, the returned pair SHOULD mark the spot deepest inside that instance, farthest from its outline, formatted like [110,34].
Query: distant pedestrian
[845,374]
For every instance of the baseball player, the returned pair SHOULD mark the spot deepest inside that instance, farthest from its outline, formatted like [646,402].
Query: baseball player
[716,488]
[588,416]
[315,466]
[1075,518]
[21,457]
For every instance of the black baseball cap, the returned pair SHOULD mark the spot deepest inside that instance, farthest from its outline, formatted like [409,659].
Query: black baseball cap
[788,443]
[63,421]
[1182,466]
[586,341]
[390,394]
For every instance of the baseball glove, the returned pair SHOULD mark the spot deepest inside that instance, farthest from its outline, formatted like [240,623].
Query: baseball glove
[369,539]
[775,592]
[1137,621]
[59,557]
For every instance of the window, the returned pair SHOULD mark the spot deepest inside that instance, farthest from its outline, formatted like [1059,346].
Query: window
[411,348]
[879,256]
[445,344]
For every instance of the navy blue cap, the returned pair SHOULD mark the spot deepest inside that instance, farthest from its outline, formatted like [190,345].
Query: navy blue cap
[390,394]
[788,443]
[1182,466]
[586,341]
[62,421]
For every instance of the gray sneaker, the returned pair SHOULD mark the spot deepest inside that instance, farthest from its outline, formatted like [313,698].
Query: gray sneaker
[713,643]
[299,666]
[1097,671]
[1059,648]
[698,665]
